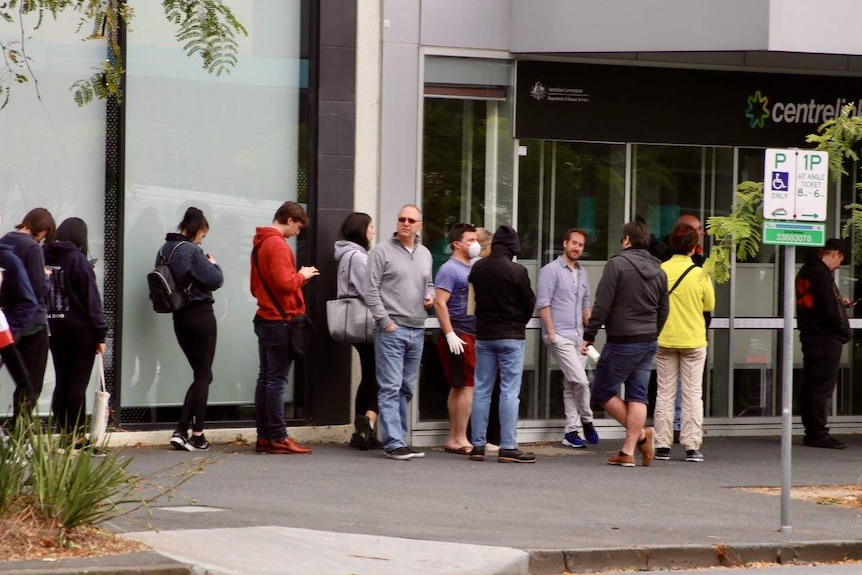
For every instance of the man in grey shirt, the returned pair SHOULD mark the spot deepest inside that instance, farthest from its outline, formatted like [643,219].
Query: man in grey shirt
[399,294]
[565,306]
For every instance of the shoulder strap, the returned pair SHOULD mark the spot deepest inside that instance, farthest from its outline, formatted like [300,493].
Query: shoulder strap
[266,286]
[170,257]
[685,273]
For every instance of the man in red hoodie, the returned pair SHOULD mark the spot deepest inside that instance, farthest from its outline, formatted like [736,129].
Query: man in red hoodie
[274,276]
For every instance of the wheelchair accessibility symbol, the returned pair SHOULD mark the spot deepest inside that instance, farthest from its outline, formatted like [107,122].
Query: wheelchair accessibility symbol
[781,181]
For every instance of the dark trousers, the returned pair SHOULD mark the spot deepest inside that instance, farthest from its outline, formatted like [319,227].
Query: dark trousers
[275,354]
[73,363]
[820,363]
[196,334]
[33,350]
[366,393]
[23,395]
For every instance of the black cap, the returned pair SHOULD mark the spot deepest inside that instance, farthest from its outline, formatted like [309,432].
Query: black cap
[839,245]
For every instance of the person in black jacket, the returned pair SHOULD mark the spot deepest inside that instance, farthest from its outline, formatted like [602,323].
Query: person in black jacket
[821,314]
[18,303]
[504,304]
[77,324]
[198,274]
[32,341]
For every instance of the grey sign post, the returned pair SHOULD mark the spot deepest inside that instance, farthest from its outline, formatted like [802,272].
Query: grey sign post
[794,190]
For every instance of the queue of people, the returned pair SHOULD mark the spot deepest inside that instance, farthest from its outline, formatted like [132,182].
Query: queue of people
[653,312]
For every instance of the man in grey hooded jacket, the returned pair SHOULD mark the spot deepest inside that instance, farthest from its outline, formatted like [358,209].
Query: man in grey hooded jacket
[632,303]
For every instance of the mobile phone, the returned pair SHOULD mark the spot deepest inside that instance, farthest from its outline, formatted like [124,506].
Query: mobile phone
[854,302]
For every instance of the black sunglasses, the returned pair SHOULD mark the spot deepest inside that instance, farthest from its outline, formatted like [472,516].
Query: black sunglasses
[408,220]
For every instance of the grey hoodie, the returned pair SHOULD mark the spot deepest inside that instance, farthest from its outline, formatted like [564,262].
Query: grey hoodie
[398,282]
[352,269]
[631,300]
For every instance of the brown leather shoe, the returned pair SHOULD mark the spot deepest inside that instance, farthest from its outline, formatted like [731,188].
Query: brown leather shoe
[287,445]
[262,445]
[647,448]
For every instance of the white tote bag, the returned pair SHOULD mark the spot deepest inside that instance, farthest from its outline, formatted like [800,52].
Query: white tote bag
[101,403]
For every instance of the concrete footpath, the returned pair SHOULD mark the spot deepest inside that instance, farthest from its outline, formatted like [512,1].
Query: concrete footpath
[341,511]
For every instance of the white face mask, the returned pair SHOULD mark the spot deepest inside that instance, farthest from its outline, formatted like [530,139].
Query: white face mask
[474,249]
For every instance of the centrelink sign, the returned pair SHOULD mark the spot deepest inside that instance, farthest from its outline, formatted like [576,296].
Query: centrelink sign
[672,105]
[759,110]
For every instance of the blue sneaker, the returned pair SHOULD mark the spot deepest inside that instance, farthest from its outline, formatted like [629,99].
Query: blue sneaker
[590,433]
[572,439]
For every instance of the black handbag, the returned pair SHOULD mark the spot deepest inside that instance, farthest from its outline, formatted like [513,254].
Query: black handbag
[301,326]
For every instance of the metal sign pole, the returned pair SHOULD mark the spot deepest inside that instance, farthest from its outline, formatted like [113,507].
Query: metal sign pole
[787,385]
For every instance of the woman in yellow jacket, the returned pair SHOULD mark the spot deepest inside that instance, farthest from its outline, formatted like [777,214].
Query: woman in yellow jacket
[682,347]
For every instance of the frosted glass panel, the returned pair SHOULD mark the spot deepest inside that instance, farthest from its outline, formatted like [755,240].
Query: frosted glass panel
[229,145]
[53,152]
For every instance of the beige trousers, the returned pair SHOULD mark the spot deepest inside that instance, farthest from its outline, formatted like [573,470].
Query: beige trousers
[672,366]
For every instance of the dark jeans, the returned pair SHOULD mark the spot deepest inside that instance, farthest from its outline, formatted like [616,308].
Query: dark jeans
[196,333]
[820,363]
[73,363]
[33,350]
[366,393]
[273,346]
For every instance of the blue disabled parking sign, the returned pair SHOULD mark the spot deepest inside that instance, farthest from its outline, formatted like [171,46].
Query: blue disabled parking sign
[781,181]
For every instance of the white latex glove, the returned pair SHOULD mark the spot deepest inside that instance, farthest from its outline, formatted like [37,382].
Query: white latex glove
[456,344]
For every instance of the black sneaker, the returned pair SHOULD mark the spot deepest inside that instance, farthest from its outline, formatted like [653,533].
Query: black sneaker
[399,453]
[515,456]
[180,441]
[374,443]
[357,442]
[197,443]
[416,453]
[662,453]
[478,453]
[827,442]
[694,455]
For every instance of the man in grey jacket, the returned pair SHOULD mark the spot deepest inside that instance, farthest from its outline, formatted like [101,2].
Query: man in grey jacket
[399,294]
[632,303]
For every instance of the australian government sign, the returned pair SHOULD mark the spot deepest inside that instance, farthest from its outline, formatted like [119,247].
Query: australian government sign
[605,103]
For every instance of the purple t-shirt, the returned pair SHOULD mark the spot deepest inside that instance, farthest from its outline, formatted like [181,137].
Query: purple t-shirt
[452,277]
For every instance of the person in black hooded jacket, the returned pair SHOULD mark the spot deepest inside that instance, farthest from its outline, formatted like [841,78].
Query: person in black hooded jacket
[77,323]
[504,304]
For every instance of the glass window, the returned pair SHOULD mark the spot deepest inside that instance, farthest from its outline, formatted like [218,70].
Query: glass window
[232,145]
[54,153]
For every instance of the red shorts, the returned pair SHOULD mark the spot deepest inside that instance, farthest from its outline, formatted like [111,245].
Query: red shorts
[458,368]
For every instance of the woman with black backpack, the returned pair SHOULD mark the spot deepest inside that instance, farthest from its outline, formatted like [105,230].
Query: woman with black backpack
[197,274]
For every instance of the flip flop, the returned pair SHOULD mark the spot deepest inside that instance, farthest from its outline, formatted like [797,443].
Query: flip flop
[463,450]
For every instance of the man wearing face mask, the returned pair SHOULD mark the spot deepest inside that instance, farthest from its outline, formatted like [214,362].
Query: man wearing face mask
[456,343]
[565,306]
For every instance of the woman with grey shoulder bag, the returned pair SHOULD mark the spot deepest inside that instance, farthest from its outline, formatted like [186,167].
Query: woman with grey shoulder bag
[351,251]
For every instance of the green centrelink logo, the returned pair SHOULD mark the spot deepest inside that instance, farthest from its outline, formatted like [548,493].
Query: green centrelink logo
[758,110]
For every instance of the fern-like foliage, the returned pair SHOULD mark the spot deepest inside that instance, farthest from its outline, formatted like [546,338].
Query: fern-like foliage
[206,28]
[737,233]
[841,138]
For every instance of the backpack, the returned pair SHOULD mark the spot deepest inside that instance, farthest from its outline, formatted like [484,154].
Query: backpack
[164,292]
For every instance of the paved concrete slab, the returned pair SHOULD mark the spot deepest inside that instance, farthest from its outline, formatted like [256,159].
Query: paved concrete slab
[286,551]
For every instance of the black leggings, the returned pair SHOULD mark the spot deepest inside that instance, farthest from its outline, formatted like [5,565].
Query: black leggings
[73,364]
[24,394]
[196,333]
[33,350]
[366,393]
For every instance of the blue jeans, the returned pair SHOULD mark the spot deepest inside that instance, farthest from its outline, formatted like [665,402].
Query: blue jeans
[507,355]
[629,363]
[273,347]
[398,354]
